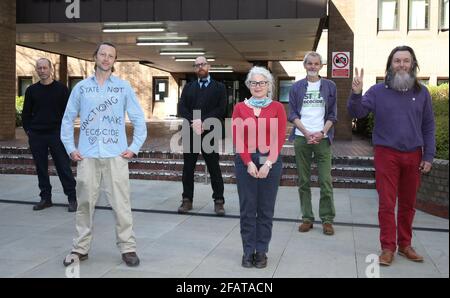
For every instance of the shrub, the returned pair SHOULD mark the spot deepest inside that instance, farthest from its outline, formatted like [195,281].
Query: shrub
[439,94]
[19,108]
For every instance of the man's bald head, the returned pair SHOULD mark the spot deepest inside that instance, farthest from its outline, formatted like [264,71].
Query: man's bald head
[41,61]
[201,67]
[44,70]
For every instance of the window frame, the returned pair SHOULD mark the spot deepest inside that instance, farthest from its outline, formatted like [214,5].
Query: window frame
[439,80]
[427,16]
[397,16]
[379,79]
[154,88]
[280,79]
[70,81]
[19,80]
[422,79]
[441,15]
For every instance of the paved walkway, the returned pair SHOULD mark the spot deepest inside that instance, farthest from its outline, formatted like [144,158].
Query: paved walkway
[33,244]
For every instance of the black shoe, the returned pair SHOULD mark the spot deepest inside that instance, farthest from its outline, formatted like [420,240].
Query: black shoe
[130,258]
[247,261]
[218,207]
[42,205]
[73,205]
[260,260]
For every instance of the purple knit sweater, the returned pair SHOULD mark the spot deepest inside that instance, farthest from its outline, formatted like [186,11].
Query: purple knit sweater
[403,120]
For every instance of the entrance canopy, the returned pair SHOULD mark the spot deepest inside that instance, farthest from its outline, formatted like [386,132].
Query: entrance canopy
[233,32]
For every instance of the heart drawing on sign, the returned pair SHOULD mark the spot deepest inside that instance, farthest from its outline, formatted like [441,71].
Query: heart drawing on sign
[92,140]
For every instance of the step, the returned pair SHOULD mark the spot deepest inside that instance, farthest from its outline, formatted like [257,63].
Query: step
[146,174]
[226,166]
[336,160]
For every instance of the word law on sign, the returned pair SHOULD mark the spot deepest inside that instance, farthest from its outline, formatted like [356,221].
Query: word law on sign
[340,65]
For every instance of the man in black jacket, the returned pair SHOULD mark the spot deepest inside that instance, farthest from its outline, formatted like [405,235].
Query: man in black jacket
[43,109]
[207,98]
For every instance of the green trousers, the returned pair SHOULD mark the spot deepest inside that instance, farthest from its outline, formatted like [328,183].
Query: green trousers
[322,157]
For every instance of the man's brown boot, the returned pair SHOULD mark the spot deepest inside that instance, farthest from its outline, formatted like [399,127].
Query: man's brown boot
[186,205]
[305,226]
[410,254]
[386,257]
[328,229]
[218,207]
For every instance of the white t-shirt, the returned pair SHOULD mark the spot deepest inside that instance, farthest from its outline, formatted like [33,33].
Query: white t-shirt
[313,109]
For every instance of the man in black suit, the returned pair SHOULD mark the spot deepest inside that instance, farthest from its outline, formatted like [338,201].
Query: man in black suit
[206,97]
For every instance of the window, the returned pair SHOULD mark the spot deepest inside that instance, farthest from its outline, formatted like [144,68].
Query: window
[23,84]
[441,81]
[284,86]
[425,81]
[380,80]
[181,84]
[419,14]
[73,81]
[444,15]
[387,15]
[160,89]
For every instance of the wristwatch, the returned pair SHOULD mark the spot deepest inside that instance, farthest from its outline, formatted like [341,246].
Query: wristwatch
[269,164]
[322,132]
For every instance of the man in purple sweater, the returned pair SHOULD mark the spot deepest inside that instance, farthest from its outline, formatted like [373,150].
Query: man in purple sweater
[404,142]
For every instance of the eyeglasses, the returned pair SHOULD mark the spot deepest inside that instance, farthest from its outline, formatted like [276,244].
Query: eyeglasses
[200,65]
[260,83]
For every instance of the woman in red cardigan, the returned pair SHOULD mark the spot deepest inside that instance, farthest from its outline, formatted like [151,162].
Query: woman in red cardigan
[259,131]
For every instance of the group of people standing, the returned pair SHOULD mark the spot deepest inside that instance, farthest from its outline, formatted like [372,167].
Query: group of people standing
[403,137]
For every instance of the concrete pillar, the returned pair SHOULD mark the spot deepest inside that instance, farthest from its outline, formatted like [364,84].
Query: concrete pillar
[341,15]
[63,69]
[8,69]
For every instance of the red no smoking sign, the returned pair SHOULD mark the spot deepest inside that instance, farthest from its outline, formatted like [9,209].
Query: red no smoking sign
[340,65]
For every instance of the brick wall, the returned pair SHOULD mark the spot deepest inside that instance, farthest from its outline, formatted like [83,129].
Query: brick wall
[7,66]
[433,194]
[341,38]
[139,76]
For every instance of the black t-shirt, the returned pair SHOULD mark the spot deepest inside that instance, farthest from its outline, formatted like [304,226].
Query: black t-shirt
[44,107]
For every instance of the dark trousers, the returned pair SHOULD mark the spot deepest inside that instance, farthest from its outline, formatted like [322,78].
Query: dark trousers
[257,204]
[40,144]
[212,162]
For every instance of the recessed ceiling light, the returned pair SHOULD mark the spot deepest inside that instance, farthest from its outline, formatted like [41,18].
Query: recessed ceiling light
[182,53]
[133,27]
[132,30]
[192,59]
[221,70]
[163,43]
[161,38]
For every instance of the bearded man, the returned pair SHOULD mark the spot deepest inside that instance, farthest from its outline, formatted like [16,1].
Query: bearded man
[404,146]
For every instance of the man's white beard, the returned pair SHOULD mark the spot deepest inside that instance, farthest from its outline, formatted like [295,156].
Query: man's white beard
[312,73]
[401,81]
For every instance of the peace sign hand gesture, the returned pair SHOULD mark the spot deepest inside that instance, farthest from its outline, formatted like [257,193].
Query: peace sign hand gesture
[357,84]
